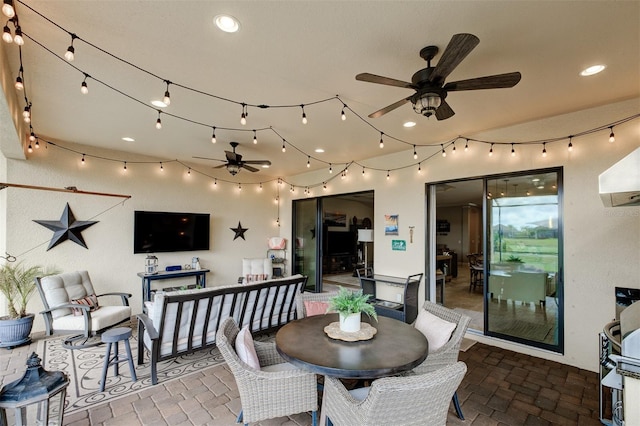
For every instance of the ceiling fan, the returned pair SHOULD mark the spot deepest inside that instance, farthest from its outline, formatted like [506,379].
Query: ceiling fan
[429,98]
[234,162]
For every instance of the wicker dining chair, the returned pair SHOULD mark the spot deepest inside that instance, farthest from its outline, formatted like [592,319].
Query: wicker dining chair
[403,400]
[448,353]
[301,309]
[265,394]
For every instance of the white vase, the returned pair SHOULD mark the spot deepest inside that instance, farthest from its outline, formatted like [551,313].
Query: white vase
[350,323]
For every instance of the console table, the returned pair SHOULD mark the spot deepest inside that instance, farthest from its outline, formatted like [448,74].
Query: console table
[200,274]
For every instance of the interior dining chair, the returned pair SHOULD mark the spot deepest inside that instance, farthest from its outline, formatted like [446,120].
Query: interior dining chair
[400,401]
[72,307]
[448,353]
[275,389]
[476,271]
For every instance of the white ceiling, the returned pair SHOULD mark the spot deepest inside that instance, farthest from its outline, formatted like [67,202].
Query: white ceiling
[298,52]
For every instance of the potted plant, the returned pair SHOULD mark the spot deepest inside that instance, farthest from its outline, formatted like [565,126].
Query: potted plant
[17,284]
[350,306]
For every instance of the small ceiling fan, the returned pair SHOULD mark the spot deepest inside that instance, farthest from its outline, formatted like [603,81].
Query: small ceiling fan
[428,83]
[234,162]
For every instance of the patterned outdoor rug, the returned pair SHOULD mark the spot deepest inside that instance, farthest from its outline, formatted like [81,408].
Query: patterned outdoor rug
[84,367]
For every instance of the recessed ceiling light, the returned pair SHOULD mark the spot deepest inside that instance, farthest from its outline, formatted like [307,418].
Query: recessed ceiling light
[265,166]
[128,139]
[319,150]
[158,103]
[227,23]
[595,69]
[409,123]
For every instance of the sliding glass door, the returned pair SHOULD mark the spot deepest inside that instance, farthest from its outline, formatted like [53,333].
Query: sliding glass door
[305,251]
[524,258]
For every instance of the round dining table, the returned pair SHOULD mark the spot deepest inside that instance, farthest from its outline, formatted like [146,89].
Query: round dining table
[396,347]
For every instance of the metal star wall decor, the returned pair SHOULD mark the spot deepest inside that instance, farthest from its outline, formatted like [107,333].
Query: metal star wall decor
[66,228]
[239,231]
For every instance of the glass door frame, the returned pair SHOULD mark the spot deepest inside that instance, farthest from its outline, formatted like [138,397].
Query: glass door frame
[430,250]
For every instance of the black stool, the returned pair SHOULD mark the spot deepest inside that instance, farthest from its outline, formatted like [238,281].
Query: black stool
[114,336]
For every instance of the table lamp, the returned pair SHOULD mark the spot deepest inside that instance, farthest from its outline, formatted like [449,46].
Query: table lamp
[365,236]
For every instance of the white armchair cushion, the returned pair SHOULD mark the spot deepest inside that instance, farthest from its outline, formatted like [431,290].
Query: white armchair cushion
[103,317]
[63,288]
[252,269]
[436,330]
[245,349]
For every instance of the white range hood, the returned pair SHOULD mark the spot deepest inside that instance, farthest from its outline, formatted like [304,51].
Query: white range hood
[620,183]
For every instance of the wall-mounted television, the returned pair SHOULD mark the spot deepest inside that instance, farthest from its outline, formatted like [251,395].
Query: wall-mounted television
[155,232]
[341,242]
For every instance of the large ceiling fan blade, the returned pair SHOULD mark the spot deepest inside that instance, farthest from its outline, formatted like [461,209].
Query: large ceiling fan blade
[498,81]
[457,49]
[251,169]
[259,162]
[372,78]
[444,111]
[221,166]
[212,159]
[389,108]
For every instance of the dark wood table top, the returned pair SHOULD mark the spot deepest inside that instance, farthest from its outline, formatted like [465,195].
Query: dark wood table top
[396,347]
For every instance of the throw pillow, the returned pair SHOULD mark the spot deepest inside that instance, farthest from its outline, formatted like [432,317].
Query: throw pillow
[315,308]
[435,329]
[245,349]
[90,300]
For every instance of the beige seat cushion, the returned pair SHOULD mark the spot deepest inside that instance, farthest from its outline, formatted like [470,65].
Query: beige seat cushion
[106,316]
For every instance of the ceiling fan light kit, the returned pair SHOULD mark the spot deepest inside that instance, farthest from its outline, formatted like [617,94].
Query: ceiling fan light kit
[428,83]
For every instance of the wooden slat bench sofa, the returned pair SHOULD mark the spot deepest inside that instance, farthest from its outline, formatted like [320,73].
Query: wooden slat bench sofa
[184,321]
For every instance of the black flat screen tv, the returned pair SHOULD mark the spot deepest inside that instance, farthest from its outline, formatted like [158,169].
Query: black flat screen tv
[341,242]
[155,232]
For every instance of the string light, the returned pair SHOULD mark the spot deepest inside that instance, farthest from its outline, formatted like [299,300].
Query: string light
[453,151]
[255,138]
[444,153]
[284,148]
[491,150]
[324,186]
[362,170]
[544,149]
[260,187]
[37,143]
[308,161]
[330,168]
[466,145]
[32,136]
[8,9]
[17,39]
[304,115]
[125,166]
[19,83]
[26,114]
[159,121]
[82,160]
[167,97]
[513,151]
[387,174]
[30,148]
[612,137]
[8,38]
[84,89]
[381,141]
[243,116]
[342,175]
[215,182]
[419,168]
[213,135]
[189,171]
[415,154]
[343,116]
[239,187]
[570,146]
[69,55]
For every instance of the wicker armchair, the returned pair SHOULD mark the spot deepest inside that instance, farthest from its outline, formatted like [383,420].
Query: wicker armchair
[406,400]
[310,297]
[447,354]
[265,395]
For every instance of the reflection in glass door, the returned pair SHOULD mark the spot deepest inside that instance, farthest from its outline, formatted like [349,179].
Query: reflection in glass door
[304,256]
[524,250]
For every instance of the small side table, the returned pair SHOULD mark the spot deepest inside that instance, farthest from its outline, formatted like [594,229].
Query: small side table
[113,336]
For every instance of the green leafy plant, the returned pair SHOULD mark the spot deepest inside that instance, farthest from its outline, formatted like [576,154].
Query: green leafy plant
[514,259]
[352,302]
[17,284]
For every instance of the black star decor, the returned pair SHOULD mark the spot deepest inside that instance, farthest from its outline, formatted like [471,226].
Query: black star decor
[66,228]
[239,231]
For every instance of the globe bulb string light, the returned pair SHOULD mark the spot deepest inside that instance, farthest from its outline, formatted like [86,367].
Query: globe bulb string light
[213,135]
[415,154]
[381,140]
[343,116]
[570,146]
[255,137]
[513,151]
[466,145]
[612,137]
[444,153]
[159,121]
[17,38]
[304,115]
[544,149]
[69,55]
[84,89]
[167,96]
[6,31]
[8,9]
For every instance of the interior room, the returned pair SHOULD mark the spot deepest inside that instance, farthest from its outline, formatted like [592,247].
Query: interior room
[299,127]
